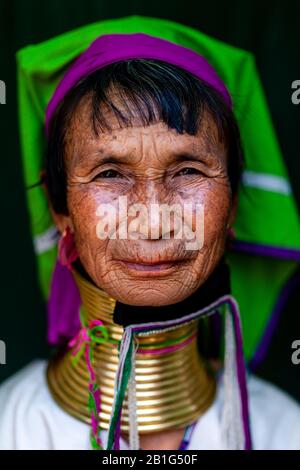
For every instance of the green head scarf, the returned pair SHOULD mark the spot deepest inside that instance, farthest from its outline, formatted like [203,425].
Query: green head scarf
[267,246]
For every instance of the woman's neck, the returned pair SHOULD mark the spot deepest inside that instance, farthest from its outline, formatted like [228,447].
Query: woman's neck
[173,385]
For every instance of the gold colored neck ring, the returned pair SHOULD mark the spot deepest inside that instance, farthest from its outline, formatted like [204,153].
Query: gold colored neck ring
[173,385]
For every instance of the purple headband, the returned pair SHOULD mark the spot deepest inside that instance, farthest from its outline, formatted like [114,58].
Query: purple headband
[112,48]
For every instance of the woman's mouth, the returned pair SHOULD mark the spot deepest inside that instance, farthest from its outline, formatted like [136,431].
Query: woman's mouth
[149,269]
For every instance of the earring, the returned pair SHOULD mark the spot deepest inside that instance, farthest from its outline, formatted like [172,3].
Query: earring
[67,252]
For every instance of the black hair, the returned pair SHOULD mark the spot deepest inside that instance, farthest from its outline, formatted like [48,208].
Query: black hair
[151,90]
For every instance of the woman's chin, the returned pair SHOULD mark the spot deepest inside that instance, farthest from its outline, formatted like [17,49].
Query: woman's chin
[151,301]
[151,293]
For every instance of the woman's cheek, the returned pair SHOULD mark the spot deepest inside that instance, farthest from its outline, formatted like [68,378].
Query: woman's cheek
[84,208]
[207,209]
[216,217]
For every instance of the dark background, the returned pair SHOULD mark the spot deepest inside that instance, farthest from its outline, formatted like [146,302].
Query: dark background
[269,29]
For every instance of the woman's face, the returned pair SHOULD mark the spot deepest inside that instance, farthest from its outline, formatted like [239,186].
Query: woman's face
[151,263]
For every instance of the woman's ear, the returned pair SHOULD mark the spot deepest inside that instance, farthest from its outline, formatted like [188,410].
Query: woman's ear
[61,221]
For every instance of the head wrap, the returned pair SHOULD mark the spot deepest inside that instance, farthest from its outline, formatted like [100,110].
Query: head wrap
[112,48]
[267,246]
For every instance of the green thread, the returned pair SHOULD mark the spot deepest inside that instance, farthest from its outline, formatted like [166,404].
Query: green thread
[95,444]
[82,316]
[170,342]
[120,394]
[92,404]
[93,334]
[75,359]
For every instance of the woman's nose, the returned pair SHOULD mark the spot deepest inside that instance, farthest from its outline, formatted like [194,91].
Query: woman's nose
[154,220]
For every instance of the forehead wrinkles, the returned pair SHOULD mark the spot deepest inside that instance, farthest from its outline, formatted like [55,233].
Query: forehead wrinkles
[209,134]
[80,134]
[79,124]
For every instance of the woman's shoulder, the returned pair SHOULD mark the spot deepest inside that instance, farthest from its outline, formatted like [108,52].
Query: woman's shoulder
[29,416]
[35,368]
[21,395]
[275,416]
[23,384]
[32,374]
[274,419]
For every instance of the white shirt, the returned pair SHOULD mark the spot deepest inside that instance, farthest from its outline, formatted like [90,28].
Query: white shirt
[31,419]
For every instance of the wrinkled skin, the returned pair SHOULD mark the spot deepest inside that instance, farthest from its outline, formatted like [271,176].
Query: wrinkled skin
[152,164]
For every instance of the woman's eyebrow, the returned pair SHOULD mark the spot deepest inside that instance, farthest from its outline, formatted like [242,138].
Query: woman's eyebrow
[101,158]
[199,157]
[106,159]
[181,157]
[110,158]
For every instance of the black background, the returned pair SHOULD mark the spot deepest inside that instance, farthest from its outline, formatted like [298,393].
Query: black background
[269,29]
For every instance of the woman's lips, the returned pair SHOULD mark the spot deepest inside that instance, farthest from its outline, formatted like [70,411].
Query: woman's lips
[151,268]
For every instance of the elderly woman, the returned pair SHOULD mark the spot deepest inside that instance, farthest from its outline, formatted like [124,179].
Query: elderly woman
[142,172]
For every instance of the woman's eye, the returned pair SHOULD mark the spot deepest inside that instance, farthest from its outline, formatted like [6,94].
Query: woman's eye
[109,174]
[188,171]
